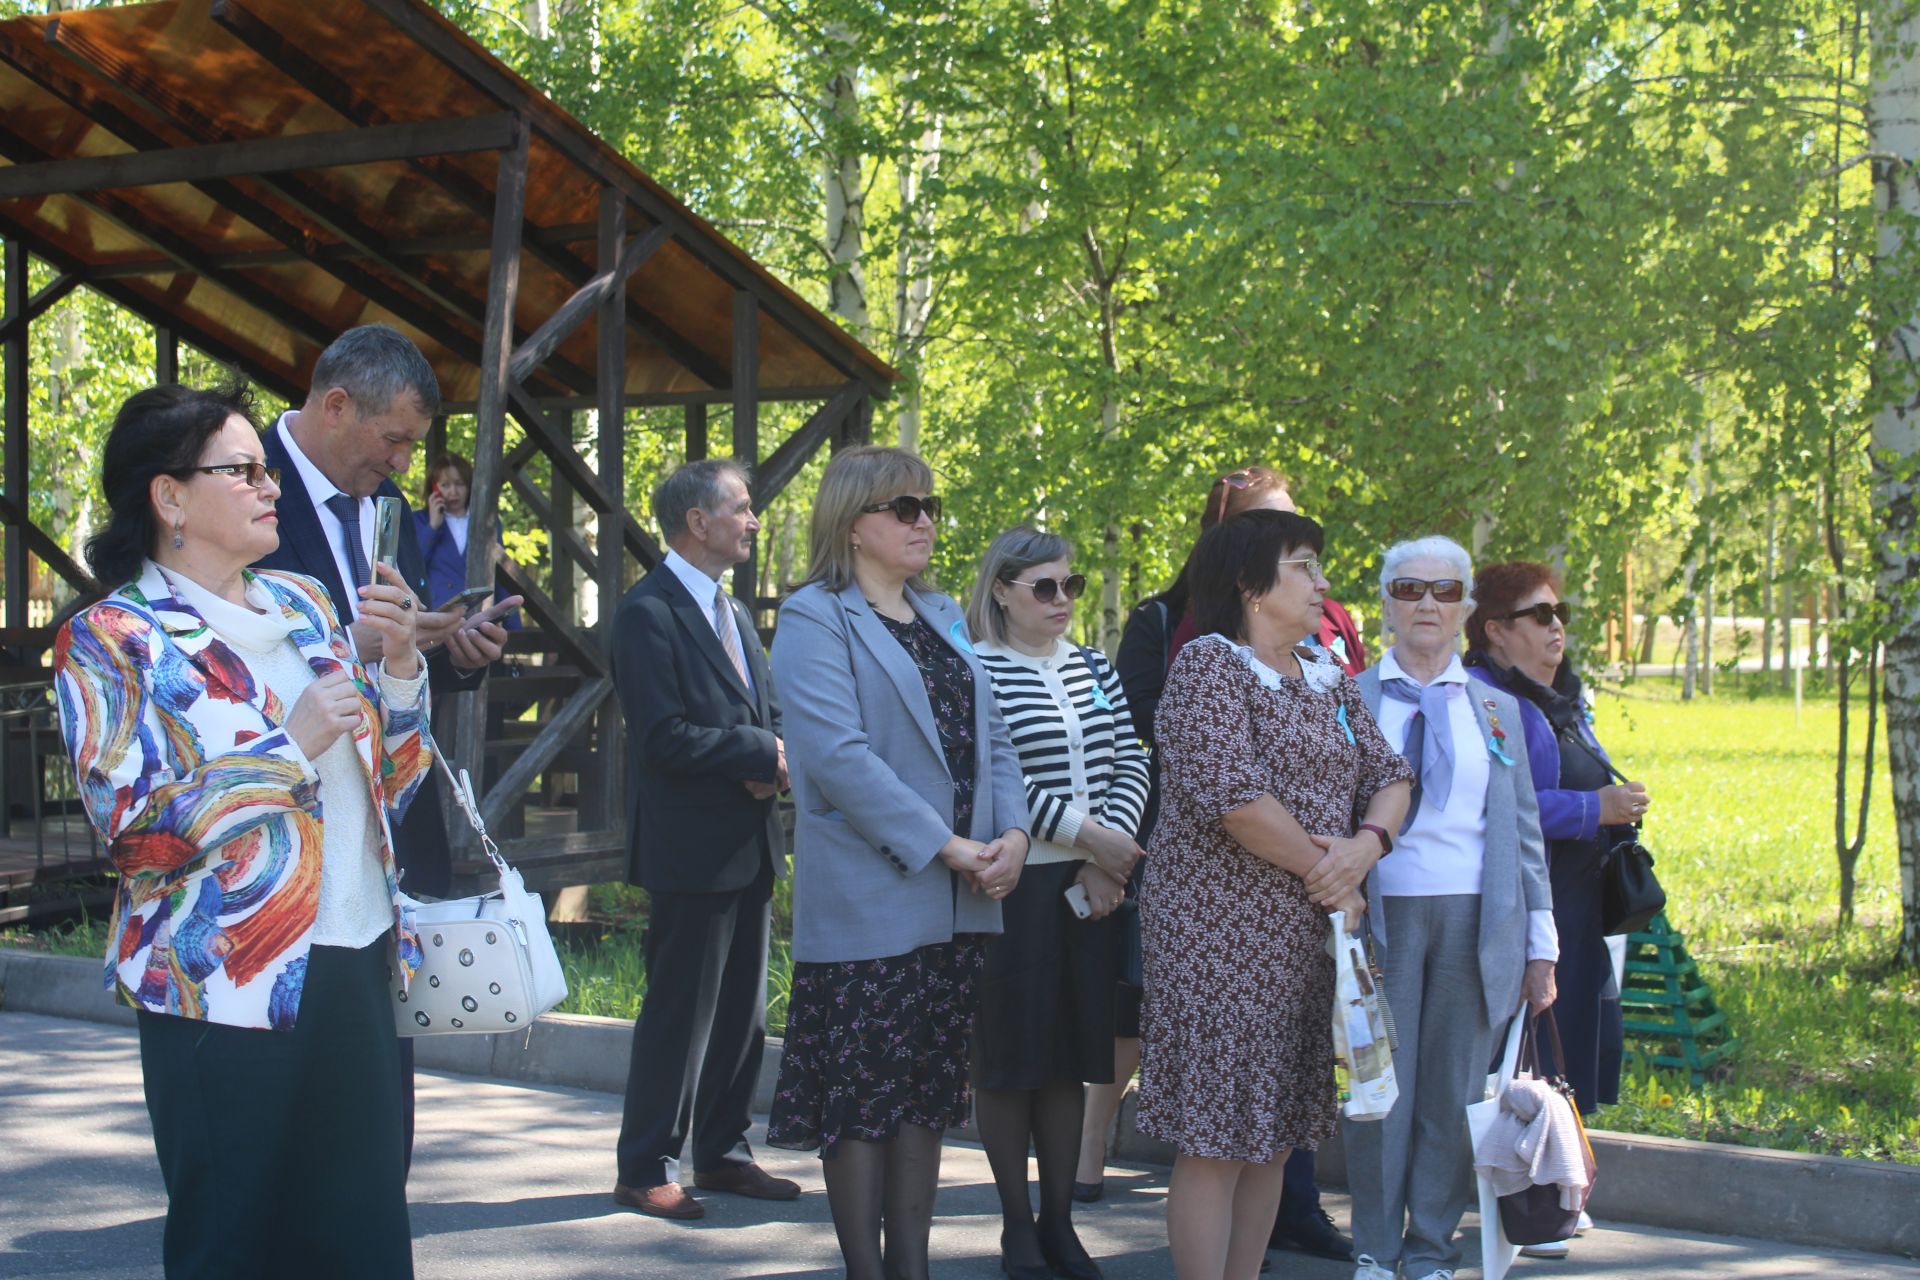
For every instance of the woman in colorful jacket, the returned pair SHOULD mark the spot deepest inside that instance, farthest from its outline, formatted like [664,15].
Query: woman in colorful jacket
[245,771]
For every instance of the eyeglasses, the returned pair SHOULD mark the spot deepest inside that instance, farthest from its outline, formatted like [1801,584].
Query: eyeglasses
[1445,590]
[907,508]
[1044,589]
[1542,613]
[254,473]
[1312,563]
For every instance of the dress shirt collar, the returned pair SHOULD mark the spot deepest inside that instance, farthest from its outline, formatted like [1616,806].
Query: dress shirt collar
[1062,649]
[695,580]
[319,488]
[1390,669]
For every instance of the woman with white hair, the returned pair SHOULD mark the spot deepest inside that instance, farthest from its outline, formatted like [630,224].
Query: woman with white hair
[1461,912]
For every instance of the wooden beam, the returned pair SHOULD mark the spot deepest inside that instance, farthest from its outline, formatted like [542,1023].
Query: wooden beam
[554,737]
[857,427]
[555,444]
[784,463]
[696,432]
[566,543]
[610,324]
[38,305]
[335,89]
[670,399]
[14,442]
[256,157]
[575,645]
[51,553]
[746,419]
[166,355]
[573,312]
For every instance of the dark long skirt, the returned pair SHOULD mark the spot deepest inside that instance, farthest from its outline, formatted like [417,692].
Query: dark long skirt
[1588,1008]
[1046,993]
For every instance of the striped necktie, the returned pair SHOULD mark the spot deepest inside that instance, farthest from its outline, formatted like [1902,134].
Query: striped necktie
[729,633]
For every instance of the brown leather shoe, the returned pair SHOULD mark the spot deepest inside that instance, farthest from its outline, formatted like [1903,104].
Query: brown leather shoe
[667,1200]
[747,1180]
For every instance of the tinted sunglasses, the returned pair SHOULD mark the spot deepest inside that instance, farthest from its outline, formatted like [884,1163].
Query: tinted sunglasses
[1045,589]
[1543,613]
[906,508]
[1445,590]
[254,473]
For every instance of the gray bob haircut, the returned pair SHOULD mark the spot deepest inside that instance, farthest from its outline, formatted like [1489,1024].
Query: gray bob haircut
[690,485]
[1432,547]
[1011,555]
[373,363]
[857,478]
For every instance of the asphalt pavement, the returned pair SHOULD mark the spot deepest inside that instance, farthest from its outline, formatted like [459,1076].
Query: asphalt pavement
[513,1180]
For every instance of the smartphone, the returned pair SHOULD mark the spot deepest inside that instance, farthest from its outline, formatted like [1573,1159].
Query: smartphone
[492,613]
[386,531]
[465,601]
[1076,896]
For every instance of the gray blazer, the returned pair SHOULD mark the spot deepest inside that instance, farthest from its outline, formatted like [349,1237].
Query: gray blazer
[1513,876]
[873,801]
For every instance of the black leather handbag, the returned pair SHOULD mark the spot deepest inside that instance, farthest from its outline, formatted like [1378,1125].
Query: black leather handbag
[1534,1215]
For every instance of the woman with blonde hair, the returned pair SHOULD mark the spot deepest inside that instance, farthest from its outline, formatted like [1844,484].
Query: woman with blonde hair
[910,830]
[1046,1023]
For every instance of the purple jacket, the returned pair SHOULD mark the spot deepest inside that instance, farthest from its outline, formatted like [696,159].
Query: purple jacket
[1564,815]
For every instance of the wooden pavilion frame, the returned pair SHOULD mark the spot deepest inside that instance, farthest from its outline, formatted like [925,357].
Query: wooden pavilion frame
[252,177]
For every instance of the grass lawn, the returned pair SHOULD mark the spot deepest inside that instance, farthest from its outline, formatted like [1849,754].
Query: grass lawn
[1829,1055]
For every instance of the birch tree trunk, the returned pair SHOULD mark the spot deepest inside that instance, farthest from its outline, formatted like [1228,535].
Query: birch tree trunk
[1894,108]
[1766,589]
[846,196]
[913,273]
[1706,592]
[1693,603]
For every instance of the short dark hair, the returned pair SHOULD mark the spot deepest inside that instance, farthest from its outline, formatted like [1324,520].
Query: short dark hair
[161,431]
[374,363]
[1242,554]
[690,485]
[1497,588]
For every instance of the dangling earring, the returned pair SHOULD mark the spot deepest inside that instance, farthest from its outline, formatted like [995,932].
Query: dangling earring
[178,541]
[1256,606]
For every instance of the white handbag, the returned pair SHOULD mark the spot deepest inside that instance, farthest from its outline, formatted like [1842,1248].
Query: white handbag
[1497,1253]
[488,963]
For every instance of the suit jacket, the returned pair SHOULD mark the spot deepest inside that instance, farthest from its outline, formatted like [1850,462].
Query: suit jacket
[446,565]
[1513,874]
[694,735]
[426,867]
[209,811]
[873,800]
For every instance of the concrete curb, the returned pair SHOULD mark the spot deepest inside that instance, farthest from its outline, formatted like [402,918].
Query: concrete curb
[1702,1187]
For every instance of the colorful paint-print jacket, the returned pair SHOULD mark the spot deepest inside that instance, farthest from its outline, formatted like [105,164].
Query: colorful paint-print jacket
[209,811]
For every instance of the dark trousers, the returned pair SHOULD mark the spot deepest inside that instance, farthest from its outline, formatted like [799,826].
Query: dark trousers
[1588,1008]
[698,1041]
[281,1149]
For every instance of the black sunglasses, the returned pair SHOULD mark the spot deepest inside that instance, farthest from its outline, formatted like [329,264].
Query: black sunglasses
[254,473]
[1445,590]
[906,508]
[1542,613]
[1044,589]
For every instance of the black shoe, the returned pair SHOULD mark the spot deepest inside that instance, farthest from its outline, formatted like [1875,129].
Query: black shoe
[1069,1259]
[1311,1231]
[1022,1271]
[1088,1192]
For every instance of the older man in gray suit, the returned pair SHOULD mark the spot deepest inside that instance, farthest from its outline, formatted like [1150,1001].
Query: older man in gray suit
[1462,910]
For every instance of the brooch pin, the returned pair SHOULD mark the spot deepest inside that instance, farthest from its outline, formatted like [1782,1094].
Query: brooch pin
[1497,740]
[1100,698]
[1341,717]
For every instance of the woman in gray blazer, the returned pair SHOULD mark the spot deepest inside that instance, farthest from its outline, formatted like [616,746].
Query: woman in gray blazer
[910,827]
[1461,910]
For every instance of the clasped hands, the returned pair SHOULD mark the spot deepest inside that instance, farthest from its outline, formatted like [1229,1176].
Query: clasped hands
[992,868]
[1334,883]
[768,790]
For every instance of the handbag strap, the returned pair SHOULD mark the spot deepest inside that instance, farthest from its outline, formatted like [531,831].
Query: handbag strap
[462,789]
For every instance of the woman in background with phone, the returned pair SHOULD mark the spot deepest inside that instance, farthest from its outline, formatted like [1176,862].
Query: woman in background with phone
[442,526]
[1046,1021]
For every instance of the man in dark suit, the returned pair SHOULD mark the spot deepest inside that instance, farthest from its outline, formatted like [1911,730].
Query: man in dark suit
[704,763]
[372,398]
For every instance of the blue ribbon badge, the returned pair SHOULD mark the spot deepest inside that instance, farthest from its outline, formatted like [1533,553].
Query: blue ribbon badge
[1497,741]
[1341,716]
[958,633]
[1100,698]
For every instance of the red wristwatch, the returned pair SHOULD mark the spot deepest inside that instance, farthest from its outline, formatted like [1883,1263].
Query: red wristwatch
[1386,841]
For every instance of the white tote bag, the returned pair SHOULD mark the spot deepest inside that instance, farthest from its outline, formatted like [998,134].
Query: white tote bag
[1496,1254]
[1361,1042]
[488,963]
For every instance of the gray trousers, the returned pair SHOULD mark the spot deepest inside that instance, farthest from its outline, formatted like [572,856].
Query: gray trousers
[1412,1174]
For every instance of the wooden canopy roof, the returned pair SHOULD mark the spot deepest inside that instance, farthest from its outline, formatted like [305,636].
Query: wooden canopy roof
[259,175]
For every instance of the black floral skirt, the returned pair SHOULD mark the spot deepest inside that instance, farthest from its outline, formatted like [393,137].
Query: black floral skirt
[874,1044]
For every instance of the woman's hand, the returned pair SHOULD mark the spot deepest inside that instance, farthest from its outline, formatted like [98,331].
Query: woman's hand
[1113,851]
[1004,856]
[1343,867]
[1538,986]
[436,508]
[963,855]
[1352,902]
[325,709]
[1622,803]
[388,609]
[1104,893]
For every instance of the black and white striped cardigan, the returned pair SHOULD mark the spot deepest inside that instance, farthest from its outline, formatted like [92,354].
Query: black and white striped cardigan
[1111,755]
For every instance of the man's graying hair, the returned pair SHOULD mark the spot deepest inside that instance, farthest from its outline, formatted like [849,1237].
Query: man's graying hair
[693,484]
[373,363]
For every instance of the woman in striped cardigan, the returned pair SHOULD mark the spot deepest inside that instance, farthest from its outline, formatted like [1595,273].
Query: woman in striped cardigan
[1046,1020]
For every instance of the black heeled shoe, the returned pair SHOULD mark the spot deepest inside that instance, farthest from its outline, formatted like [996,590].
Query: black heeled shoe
[1070,1260]
[1023,1270]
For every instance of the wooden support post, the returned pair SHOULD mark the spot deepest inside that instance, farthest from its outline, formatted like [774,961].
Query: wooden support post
[746,423]
[436,442]
[857,426]
[696,432]
[560,517]
[610,323]
[166,355]
[483,502]
[15,445]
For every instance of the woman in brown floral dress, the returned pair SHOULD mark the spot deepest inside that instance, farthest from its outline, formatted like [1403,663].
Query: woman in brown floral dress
[1277,793]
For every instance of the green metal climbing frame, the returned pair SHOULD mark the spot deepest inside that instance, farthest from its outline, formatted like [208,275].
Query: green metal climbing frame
[1668,1007]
